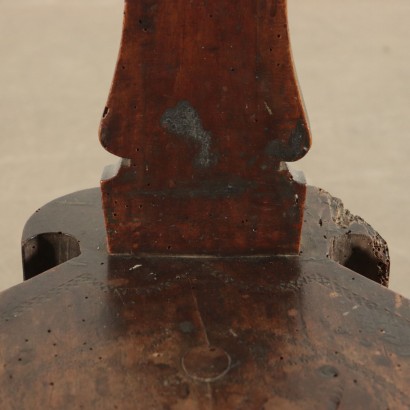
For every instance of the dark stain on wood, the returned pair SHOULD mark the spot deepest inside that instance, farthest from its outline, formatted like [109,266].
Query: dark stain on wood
[225,88]
[184,121]
[293,332]
[241,288]
[295,148]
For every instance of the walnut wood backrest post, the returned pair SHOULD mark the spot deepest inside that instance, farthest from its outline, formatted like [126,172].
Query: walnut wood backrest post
[204,109]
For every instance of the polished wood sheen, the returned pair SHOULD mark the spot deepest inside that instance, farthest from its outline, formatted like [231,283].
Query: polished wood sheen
[204,109]
[274,332]
[208,276]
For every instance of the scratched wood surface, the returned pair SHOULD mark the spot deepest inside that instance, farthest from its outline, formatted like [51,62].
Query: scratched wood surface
[204,108]
[203,111]
[127,332]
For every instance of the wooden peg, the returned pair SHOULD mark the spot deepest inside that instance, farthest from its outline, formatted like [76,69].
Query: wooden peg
[204,110]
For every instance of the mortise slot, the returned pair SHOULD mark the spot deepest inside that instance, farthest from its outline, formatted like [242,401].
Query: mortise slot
[47,250]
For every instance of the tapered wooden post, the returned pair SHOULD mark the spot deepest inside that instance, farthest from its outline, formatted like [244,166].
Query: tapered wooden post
[204,110]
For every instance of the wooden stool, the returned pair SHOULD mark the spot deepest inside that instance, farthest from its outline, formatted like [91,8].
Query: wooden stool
[204,274]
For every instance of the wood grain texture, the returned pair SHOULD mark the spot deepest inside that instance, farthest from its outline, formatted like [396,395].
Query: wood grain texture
[128,332]
[204,108]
